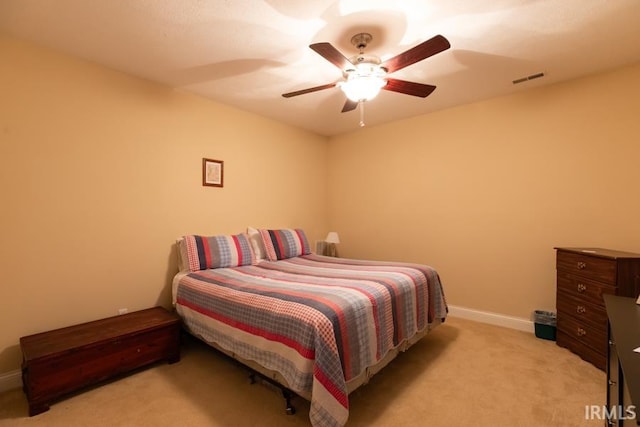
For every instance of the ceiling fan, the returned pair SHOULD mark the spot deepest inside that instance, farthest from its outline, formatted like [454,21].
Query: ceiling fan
[364,74]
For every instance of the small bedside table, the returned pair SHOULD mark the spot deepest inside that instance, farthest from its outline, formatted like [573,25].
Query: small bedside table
[60,361]
[326,249]
[330,244]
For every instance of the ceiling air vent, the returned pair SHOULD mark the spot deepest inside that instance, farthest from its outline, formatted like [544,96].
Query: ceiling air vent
[531,77]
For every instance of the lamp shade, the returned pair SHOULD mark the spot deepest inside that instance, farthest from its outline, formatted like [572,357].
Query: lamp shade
[363,88]
[332,237]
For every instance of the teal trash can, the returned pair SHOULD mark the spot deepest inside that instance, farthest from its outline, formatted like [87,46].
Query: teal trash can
[545,324]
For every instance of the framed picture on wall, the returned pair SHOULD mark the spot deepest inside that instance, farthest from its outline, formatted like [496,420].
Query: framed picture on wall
[212,173]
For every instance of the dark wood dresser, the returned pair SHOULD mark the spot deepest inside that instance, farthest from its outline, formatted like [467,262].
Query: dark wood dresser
[61,361]
[583,276]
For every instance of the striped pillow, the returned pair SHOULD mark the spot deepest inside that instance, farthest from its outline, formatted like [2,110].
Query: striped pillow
[284,243]
[218,251]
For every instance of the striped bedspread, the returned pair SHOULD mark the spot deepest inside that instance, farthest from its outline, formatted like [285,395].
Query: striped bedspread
[318,321]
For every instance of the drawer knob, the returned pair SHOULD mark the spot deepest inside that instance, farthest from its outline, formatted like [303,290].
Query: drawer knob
[581,332]
[581,287]
[611,382]
[582,265]
[581,309]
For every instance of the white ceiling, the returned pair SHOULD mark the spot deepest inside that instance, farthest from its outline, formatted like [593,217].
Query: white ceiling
[247,53]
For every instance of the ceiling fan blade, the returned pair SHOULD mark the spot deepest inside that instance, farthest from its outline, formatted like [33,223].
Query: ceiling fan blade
[331,54]
[417,53]
[349,106]
[409,88]
[308,90]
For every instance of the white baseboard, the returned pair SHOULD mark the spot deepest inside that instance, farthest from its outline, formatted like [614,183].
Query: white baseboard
[492,318]
[10,380]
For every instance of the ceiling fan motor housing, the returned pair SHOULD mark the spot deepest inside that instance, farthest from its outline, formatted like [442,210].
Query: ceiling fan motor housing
[364,61]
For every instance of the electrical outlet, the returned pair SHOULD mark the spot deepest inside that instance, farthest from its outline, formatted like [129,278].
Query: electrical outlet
[123,310]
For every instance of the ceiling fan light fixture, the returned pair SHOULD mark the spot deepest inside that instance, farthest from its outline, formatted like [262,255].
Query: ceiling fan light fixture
[364,82]
[362,88]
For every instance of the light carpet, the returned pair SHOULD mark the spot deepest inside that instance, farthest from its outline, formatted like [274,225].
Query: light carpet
[463,374]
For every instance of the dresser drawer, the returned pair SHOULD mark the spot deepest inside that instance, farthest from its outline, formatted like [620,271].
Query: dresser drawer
[585,333]
[584,312]
[601,269]
[583,289]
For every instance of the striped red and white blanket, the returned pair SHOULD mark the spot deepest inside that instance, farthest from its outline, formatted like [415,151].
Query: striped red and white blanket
[317,321]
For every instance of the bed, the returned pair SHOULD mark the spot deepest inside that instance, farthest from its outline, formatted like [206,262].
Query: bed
[317,325]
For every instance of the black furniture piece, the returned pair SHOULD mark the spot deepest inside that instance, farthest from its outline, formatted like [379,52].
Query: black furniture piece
[623,367]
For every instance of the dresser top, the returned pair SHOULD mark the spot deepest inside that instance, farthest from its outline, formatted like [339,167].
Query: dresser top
[601,252]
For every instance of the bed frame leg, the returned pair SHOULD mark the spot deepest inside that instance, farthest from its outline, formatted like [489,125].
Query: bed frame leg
[286,393]
[287,397]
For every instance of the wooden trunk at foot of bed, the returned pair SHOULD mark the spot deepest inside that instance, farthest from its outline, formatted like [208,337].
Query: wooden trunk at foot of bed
[65,360]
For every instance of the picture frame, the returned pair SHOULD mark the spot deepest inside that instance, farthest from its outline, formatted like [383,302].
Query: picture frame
[212,173]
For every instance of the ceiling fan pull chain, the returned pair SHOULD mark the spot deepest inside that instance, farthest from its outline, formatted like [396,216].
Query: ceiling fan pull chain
[361,103]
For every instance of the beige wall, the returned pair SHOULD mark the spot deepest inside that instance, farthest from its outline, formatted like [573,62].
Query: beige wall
[484,192]
[100,172]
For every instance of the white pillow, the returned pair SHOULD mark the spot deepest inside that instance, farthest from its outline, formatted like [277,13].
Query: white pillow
[257,244]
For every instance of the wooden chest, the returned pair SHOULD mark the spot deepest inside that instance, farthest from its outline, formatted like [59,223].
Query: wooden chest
[64,360]
[583,276]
